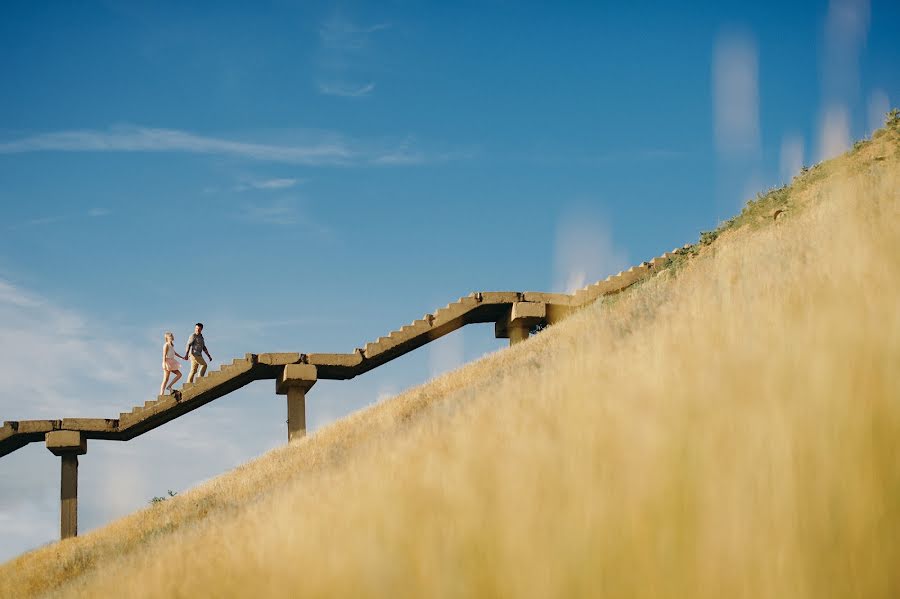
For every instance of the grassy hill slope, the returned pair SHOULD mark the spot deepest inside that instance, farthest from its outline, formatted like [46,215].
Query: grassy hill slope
[729,428]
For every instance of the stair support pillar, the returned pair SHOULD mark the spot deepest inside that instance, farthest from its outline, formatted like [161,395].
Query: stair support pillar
[516,324]
[68,445]
[296,413]
[295,381]
[518,333]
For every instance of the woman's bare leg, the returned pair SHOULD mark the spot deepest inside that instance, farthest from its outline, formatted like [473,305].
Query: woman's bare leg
[177,374]
[162,388]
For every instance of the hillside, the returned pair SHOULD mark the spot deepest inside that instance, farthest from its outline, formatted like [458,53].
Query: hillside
[729,428]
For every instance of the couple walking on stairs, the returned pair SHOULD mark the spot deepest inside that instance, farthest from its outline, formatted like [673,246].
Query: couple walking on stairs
[196,346]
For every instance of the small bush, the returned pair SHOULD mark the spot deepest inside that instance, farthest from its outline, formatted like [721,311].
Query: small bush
[893,119]
[707,237]
[156,500]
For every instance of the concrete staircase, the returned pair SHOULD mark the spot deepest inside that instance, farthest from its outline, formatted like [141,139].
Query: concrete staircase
[513,313]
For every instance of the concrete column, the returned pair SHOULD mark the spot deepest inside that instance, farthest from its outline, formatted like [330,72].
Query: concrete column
[296,409]
[68,496]
[517,333]
[295,381]
[68,445]
[516,324]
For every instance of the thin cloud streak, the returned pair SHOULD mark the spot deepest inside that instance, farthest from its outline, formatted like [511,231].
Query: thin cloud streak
[340,34]
[281,212]
[345,90]
[36,222]
[268,184]
[335,151]
[59,218]
[275,184]
[399,159]
[140,139]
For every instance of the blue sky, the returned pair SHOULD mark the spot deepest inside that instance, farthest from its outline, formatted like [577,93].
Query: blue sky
[310,176]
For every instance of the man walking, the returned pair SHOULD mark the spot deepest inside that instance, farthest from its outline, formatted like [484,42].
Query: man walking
[195,348]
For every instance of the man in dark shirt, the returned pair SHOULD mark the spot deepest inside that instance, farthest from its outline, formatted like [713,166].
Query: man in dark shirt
[195,348]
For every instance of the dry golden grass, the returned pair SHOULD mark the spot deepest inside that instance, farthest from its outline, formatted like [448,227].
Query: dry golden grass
[730,429]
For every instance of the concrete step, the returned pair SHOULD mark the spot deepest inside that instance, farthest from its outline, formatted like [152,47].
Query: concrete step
[453,310]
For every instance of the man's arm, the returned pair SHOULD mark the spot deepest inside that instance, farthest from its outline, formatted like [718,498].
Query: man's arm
[187,348]
[206,349]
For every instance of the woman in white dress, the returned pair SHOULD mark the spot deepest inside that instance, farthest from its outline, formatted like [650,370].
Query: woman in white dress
[170,364]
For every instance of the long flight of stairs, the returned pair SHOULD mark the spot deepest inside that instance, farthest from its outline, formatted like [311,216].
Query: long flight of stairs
[478,307]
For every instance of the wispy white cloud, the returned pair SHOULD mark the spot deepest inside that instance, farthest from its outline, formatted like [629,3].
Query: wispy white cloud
[340,34]
[345,57]
[274,183]
[282,212]
[142,139]
[267,184]
[58,361]
[330,150]
[36,222]
[400,158]
[57,218]
[406,153]
[54,362]
[14,296]
[276,212]
[345,90]
[53,351]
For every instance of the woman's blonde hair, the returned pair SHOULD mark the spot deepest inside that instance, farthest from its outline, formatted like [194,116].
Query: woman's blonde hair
[169,336]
